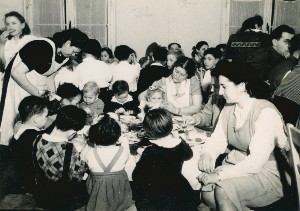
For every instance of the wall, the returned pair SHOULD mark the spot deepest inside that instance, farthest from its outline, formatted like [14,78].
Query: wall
[7,6]
[141,22]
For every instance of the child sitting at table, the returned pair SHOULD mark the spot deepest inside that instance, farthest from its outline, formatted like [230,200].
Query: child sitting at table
[91,103]
[157,176]
[108,183]
[155,98]
[122,102]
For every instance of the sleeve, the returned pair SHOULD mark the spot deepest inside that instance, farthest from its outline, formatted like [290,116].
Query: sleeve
[37,55]
[195,86]
[188,152]
[218,142]
[261,146]
[204,117]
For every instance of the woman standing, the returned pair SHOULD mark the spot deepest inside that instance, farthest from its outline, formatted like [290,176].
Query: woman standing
[249,175]
[182,88]
[31,72]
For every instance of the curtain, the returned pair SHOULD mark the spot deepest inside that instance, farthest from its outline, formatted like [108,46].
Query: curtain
[48,17]
[91,17]
[287,12]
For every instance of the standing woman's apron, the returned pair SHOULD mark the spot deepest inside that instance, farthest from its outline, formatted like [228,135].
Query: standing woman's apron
[12,93]
[180,98]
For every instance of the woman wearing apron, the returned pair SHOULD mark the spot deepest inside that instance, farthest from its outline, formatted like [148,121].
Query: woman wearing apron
[31,72]
[182,88]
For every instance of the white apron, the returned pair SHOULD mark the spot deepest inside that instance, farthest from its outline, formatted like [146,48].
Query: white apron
[15,94]
[180,98]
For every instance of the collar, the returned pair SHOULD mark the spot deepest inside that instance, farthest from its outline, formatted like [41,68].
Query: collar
[156,64]
[241,114]
[167,142]
[50,138]
[19,129]
[129,98]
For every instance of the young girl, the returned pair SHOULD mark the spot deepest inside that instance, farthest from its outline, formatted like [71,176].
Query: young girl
[91,103]
[107,55]
[198,53]
[172,57]
[108,183]
[157,176]
[211,58]
[122,102]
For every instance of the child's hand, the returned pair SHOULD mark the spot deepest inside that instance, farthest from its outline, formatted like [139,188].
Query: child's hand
[120,111]
[87,110]
[129,112]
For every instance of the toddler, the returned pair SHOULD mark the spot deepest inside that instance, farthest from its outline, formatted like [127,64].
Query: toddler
[91,103]
[157,176]
[122,102]
[108,184]
[107,55]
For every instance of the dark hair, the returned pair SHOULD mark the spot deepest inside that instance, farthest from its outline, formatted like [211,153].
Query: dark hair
[188,64]
[68,91]
[26,30]
[120,87]
[295,43]
[109,52]
[160,53]
[77,38]
[277,33]
[31,105]
[122,52]
[106,132]
[158,123]
[220,46]
[151,48]
[216,53]
[250,23]
[70,118]
[241,72]
[93,47]
[173,43]
[197,47]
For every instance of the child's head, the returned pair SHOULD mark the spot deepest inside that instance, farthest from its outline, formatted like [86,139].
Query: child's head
[120,90]
[106,54]
[90,92]
[174,46]
[158,123]
[34,109]
[211,58]
[124,53]
[106,132]
[93,48]
[70,118]
[69,93]
[155,94]
[199,49]
[172,57]
[160,54]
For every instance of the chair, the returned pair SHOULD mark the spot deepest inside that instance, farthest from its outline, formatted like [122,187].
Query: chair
[294,141]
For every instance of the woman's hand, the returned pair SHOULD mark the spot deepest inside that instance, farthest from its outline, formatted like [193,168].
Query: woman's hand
[120,111]
[206,163]
[188,120]
[4,36]
[170,107]
[208,178]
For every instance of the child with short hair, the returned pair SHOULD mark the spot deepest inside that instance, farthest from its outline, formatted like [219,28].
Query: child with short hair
[69,93]
[91,103]
[122,102]
[107,55]
[157,176]
[33,113]
[108,183]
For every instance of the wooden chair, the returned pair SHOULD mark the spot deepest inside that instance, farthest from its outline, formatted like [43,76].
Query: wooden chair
[294,141]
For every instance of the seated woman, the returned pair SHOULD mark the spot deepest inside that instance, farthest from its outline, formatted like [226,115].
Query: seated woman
[182,88]
[249,175]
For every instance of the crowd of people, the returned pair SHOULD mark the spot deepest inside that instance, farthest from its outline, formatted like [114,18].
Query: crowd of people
[52,88]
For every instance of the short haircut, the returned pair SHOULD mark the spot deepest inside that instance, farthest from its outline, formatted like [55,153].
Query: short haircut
[216,53]
[91,86]
[92,47]
[109,52]
[188,64]
[30,106]
[68,91]
[122,52]
[160,53]
[106,132]
[173,43]
[277,33]
[151,48]
[70,117]
[120,87]
[151,90]
[158,123]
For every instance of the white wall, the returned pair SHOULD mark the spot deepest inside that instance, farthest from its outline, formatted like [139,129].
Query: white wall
[7,6]
[141,22]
